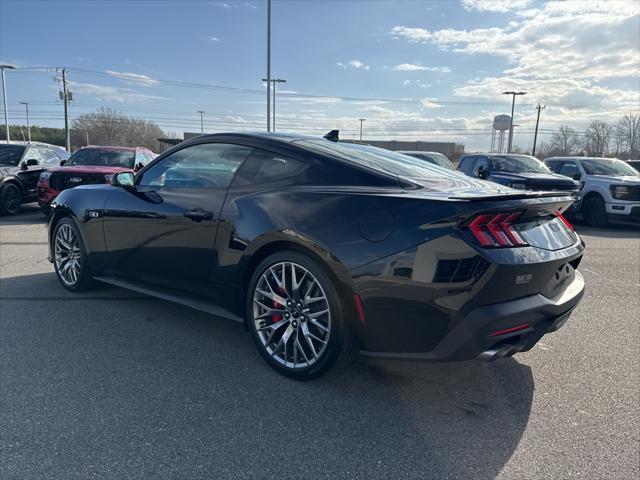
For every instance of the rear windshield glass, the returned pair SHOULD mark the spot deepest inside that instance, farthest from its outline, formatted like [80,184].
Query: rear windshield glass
[386,161]
[102,158]
[10,155]
[435,158]
[605,166]
[518,164]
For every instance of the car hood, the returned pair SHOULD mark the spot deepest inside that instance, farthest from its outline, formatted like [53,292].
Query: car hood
[627,180]
[535,178]
[88,169]
[8,170]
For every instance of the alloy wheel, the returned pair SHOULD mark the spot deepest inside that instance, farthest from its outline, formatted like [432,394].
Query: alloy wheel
[67,254]
[292,315]
[12,199]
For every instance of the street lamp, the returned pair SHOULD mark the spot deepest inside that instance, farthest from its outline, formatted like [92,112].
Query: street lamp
[513,104]
[361,120]
[4,97]
[274,81]
[201,112]
[26,106]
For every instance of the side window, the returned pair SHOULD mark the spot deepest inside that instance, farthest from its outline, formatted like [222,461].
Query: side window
[481,164]
[274,167]
[207,165]
[554,165]
[570,169]
[466,164]
[33,154]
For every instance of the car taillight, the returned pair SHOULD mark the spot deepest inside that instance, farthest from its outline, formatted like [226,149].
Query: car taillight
[496,230]
[565,221]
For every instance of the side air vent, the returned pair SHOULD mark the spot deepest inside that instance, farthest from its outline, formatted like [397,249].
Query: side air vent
[460,270]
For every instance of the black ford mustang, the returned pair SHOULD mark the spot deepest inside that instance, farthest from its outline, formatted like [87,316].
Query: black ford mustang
[324,249]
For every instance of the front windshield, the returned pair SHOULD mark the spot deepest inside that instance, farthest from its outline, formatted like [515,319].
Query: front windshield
[10,155]
[393,163]
[518,164]
[606,166]
[102,158]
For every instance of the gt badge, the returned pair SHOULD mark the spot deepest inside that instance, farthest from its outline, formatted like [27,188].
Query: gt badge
[522,279]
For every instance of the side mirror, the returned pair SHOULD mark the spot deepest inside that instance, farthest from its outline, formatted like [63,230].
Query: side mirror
[62,162]
[482,173]
[30,162]
[576,176]
[124,180]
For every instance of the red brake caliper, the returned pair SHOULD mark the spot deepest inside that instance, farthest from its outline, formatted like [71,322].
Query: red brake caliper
[277,305]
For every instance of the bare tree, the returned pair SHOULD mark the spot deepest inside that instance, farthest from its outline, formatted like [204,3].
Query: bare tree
[107,126]
[596,138]
[564,141]
[628,135]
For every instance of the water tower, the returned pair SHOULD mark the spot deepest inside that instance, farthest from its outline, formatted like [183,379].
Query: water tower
[501,124]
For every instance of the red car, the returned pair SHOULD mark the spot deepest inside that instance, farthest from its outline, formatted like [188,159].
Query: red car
[89,165]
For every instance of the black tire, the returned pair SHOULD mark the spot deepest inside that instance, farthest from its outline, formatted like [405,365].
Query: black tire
[340,348]
[10,199]
[594,212]
[83,280]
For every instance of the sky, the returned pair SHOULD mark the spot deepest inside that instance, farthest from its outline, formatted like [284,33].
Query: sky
[415,70]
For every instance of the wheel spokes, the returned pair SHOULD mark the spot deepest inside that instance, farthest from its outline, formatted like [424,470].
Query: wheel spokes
[67,254]
[291,314]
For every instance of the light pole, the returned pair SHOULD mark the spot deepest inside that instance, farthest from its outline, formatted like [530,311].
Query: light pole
[201,112]
[26,106]
[274,81]
[361,120]
[535,136]
[513,104]
[268,80]
[4,97]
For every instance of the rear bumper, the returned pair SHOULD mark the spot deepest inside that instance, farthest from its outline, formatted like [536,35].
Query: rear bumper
[475,334]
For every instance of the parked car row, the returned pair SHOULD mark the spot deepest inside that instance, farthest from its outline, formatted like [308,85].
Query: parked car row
[604,188]
[39,172]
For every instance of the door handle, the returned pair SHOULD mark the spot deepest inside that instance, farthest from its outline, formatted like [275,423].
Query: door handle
[198,215]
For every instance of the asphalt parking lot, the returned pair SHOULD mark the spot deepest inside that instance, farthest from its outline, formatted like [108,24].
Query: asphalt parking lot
[111,384]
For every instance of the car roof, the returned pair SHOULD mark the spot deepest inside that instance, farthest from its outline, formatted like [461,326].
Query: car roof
[112,148]
[580,158]
[420,151]
[26,144]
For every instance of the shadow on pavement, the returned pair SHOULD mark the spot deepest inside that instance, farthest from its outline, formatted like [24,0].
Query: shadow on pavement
[109,385]
[30,214]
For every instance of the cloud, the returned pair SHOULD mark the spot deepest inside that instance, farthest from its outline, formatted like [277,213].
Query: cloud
[214,39]
[234,4]
[133,77]
[355,63]
[111,94]
[574,39]
[501,6]
[412,67]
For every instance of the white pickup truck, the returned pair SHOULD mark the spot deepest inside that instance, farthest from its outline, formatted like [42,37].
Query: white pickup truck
[609,188]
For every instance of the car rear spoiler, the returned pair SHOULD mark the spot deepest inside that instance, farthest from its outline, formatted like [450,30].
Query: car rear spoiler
[512,196]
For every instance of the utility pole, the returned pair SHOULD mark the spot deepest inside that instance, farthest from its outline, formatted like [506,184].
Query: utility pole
[87,133]
[4,97]
[513,104]
[268,65]
[65,94]
[274,81]
[535,136]
[201,112]
[26,106]
[361,120]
